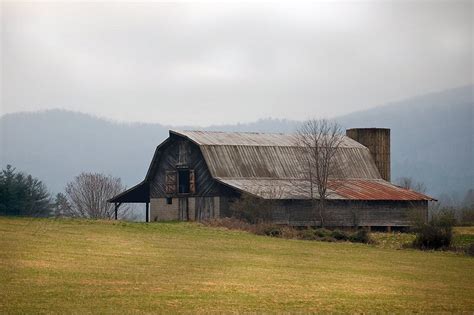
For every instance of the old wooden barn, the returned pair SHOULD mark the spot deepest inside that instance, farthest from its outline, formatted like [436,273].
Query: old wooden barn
[197,175]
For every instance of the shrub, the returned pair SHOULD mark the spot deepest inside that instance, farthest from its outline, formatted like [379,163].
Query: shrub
[322,232]
[360,236]
[289,232]
[340,235]
[470,249]
[271,230]
[231,224]
[436,233]
[308,234]
[313,234]
[432,237]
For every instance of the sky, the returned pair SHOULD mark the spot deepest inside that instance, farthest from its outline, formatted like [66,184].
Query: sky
[207,63]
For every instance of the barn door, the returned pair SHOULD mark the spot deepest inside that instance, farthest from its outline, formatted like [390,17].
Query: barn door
[204,208]
[183,209]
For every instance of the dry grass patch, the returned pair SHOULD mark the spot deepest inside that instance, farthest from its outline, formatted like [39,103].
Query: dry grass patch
[65,266]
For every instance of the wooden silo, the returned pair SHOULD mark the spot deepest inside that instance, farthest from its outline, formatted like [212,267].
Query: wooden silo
[377,140]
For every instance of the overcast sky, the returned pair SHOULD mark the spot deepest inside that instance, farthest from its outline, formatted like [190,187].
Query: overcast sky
[213,63]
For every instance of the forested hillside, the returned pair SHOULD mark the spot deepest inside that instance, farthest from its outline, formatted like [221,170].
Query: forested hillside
[432,141]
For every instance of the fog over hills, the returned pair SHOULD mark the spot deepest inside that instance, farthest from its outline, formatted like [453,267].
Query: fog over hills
[432,138]
[432,141]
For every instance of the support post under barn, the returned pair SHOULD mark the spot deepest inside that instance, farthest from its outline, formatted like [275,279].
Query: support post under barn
[147,212]
[117,205]
[138,194]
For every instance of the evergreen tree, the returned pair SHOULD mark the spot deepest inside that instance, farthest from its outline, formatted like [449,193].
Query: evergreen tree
[61,205]
[22,194]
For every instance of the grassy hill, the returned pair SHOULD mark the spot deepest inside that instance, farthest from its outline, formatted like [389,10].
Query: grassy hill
[109,267]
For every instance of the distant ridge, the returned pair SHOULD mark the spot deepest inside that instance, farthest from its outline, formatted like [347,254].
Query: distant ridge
[432,141]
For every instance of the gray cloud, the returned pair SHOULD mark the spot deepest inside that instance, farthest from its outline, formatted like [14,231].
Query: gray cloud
[209,63]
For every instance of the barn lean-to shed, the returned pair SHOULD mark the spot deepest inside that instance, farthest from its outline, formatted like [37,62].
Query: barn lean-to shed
[197,175]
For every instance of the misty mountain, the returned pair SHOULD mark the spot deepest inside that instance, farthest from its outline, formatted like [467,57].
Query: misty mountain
[57,145]
[432,138]
[432,141]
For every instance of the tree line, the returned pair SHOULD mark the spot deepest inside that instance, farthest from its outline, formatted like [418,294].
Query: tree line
[85,196]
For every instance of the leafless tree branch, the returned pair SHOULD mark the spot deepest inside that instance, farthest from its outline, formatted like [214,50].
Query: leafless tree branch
[88,193]
[319,140]
[409,183]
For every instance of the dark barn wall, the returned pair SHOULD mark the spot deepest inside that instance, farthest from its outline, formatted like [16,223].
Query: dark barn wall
[348,213]
[205,203]
[225,203]
[182,151]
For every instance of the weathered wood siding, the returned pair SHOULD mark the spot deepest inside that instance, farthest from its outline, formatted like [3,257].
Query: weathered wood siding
[225,206]
[204,200]
[180,151]
[207,208]
[377,140]
[347,213]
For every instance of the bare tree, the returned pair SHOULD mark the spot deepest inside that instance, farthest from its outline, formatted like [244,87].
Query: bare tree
[409,183]
[88,193]
[319,140]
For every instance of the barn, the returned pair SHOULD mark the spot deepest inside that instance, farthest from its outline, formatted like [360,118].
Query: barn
[198,175]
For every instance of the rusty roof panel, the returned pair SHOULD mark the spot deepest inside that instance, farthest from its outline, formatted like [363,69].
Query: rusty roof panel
[358,189]
[340,190]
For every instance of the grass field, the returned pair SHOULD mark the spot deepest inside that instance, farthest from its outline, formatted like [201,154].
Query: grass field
[462,237]
[108,267]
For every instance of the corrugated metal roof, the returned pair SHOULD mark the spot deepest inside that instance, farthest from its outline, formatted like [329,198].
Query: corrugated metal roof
[278,162]
[359,189]
[260,155]
[341,190]
[269,188]
[270,166]
[251,138]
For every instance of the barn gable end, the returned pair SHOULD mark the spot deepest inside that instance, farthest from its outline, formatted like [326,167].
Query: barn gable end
[201,201]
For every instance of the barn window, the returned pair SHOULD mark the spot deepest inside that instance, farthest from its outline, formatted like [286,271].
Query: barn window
[169,200]
[183,181]
[186,181]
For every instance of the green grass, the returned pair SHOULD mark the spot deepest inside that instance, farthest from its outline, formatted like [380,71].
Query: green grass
[64,266]
[462,237]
